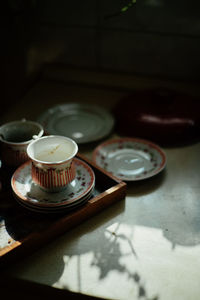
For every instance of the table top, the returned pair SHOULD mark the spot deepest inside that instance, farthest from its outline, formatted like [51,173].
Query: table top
[146,246]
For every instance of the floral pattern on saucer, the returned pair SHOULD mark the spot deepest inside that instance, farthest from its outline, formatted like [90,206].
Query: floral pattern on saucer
[130,159]
[28,192]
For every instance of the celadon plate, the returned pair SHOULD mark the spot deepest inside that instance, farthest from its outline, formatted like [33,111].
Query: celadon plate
[82,122]
[130,159]
[31,195]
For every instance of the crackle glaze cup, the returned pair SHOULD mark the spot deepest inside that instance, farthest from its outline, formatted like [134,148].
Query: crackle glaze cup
[14,138]
[53,167]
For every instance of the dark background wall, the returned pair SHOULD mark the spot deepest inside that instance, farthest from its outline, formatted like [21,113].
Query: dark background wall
[155,38]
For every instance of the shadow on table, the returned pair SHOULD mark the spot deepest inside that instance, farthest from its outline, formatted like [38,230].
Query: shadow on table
[105,247]
[175,215]
[106,244]
[146,186]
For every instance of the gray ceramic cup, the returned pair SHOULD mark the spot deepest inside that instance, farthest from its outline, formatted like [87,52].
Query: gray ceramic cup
[14,139]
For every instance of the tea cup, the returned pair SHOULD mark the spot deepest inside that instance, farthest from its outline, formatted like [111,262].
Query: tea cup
[15,136]
[53,167]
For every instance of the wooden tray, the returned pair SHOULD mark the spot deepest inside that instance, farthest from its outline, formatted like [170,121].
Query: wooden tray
[22,231]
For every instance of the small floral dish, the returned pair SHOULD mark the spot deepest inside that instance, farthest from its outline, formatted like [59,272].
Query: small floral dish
[130,159]
[32,196]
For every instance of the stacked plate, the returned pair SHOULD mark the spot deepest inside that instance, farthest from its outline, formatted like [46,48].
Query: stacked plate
[31,196]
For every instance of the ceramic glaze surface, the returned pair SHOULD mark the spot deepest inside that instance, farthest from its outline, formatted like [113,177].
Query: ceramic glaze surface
[53,149]
[52,161]
[56,209]
[130,159]
[15,137]
[29,193]
[53,154]
[20,132]
[83,123]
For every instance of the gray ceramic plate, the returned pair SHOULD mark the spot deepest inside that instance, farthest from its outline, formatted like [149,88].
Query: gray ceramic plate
[82,122]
